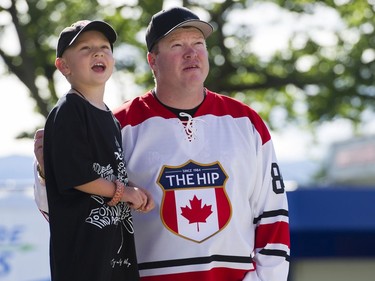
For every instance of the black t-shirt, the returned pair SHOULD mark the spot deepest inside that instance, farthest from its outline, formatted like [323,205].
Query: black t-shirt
[89,240]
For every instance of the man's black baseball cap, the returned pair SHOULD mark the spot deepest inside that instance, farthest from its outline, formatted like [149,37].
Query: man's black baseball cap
[165,21]
[71,33]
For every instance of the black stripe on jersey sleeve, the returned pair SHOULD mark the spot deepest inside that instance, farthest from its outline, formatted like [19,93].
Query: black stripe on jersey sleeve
[270,214]
[278,253]
[192,261]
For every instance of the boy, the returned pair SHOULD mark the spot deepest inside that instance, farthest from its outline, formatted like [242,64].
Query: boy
[88,198]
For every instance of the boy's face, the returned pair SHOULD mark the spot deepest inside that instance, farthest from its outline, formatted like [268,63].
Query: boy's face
[89,61]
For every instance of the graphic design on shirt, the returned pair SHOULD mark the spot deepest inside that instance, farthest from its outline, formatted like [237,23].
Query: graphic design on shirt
[106,172]
[105,215]
[120,262]
[121,166]
[195,205]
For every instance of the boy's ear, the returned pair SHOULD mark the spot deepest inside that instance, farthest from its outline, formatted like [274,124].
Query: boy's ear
[62,66]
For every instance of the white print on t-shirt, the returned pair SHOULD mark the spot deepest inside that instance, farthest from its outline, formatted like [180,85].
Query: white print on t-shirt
[106,215]
[120,262]
[121,167]
[104,172]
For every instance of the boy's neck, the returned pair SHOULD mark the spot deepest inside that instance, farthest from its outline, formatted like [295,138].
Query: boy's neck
[95,98]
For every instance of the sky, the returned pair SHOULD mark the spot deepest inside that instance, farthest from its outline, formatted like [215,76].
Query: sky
[17,108]
[17,114]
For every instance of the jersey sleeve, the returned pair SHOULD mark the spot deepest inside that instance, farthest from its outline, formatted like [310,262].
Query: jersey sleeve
[269,202]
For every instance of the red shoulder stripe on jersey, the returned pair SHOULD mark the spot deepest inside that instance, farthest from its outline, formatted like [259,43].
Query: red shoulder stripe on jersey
[221,105]
[139,109]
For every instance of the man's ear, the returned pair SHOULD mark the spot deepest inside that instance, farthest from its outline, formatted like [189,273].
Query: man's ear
[62,66]
[151,60]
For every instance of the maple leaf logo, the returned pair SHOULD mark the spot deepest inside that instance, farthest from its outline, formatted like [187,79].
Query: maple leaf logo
[196,214]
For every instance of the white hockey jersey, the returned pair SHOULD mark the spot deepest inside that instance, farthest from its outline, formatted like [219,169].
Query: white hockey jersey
[221,209]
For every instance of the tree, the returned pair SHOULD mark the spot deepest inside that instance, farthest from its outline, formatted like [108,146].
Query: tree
[340,81]
[307,83]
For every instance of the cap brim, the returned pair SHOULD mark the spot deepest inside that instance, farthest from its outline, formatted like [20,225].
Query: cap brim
[203,26]
[100,26]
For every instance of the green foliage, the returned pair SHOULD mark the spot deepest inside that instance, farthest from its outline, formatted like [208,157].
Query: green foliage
[307,83]
[342,77]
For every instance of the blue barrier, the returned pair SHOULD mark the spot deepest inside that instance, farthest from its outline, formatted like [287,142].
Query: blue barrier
[332,222]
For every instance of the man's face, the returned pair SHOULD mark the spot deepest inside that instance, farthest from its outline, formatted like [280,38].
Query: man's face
[181,59]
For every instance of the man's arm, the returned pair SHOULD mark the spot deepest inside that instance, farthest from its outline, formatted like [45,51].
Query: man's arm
[40,193]
[272,241]
[38,151]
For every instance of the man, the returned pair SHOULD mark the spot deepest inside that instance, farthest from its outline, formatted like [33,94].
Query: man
[209,163]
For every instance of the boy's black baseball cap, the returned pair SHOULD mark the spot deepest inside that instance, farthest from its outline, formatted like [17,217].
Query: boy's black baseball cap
[165,21]
[71,33]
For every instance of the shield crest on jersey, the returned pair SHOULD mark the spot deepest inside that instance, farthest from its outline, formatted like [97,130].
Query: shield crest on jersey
[195,204]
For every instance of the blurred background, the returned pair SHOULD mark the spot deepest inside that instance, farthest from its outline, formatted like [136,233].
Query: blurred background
[306,66]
